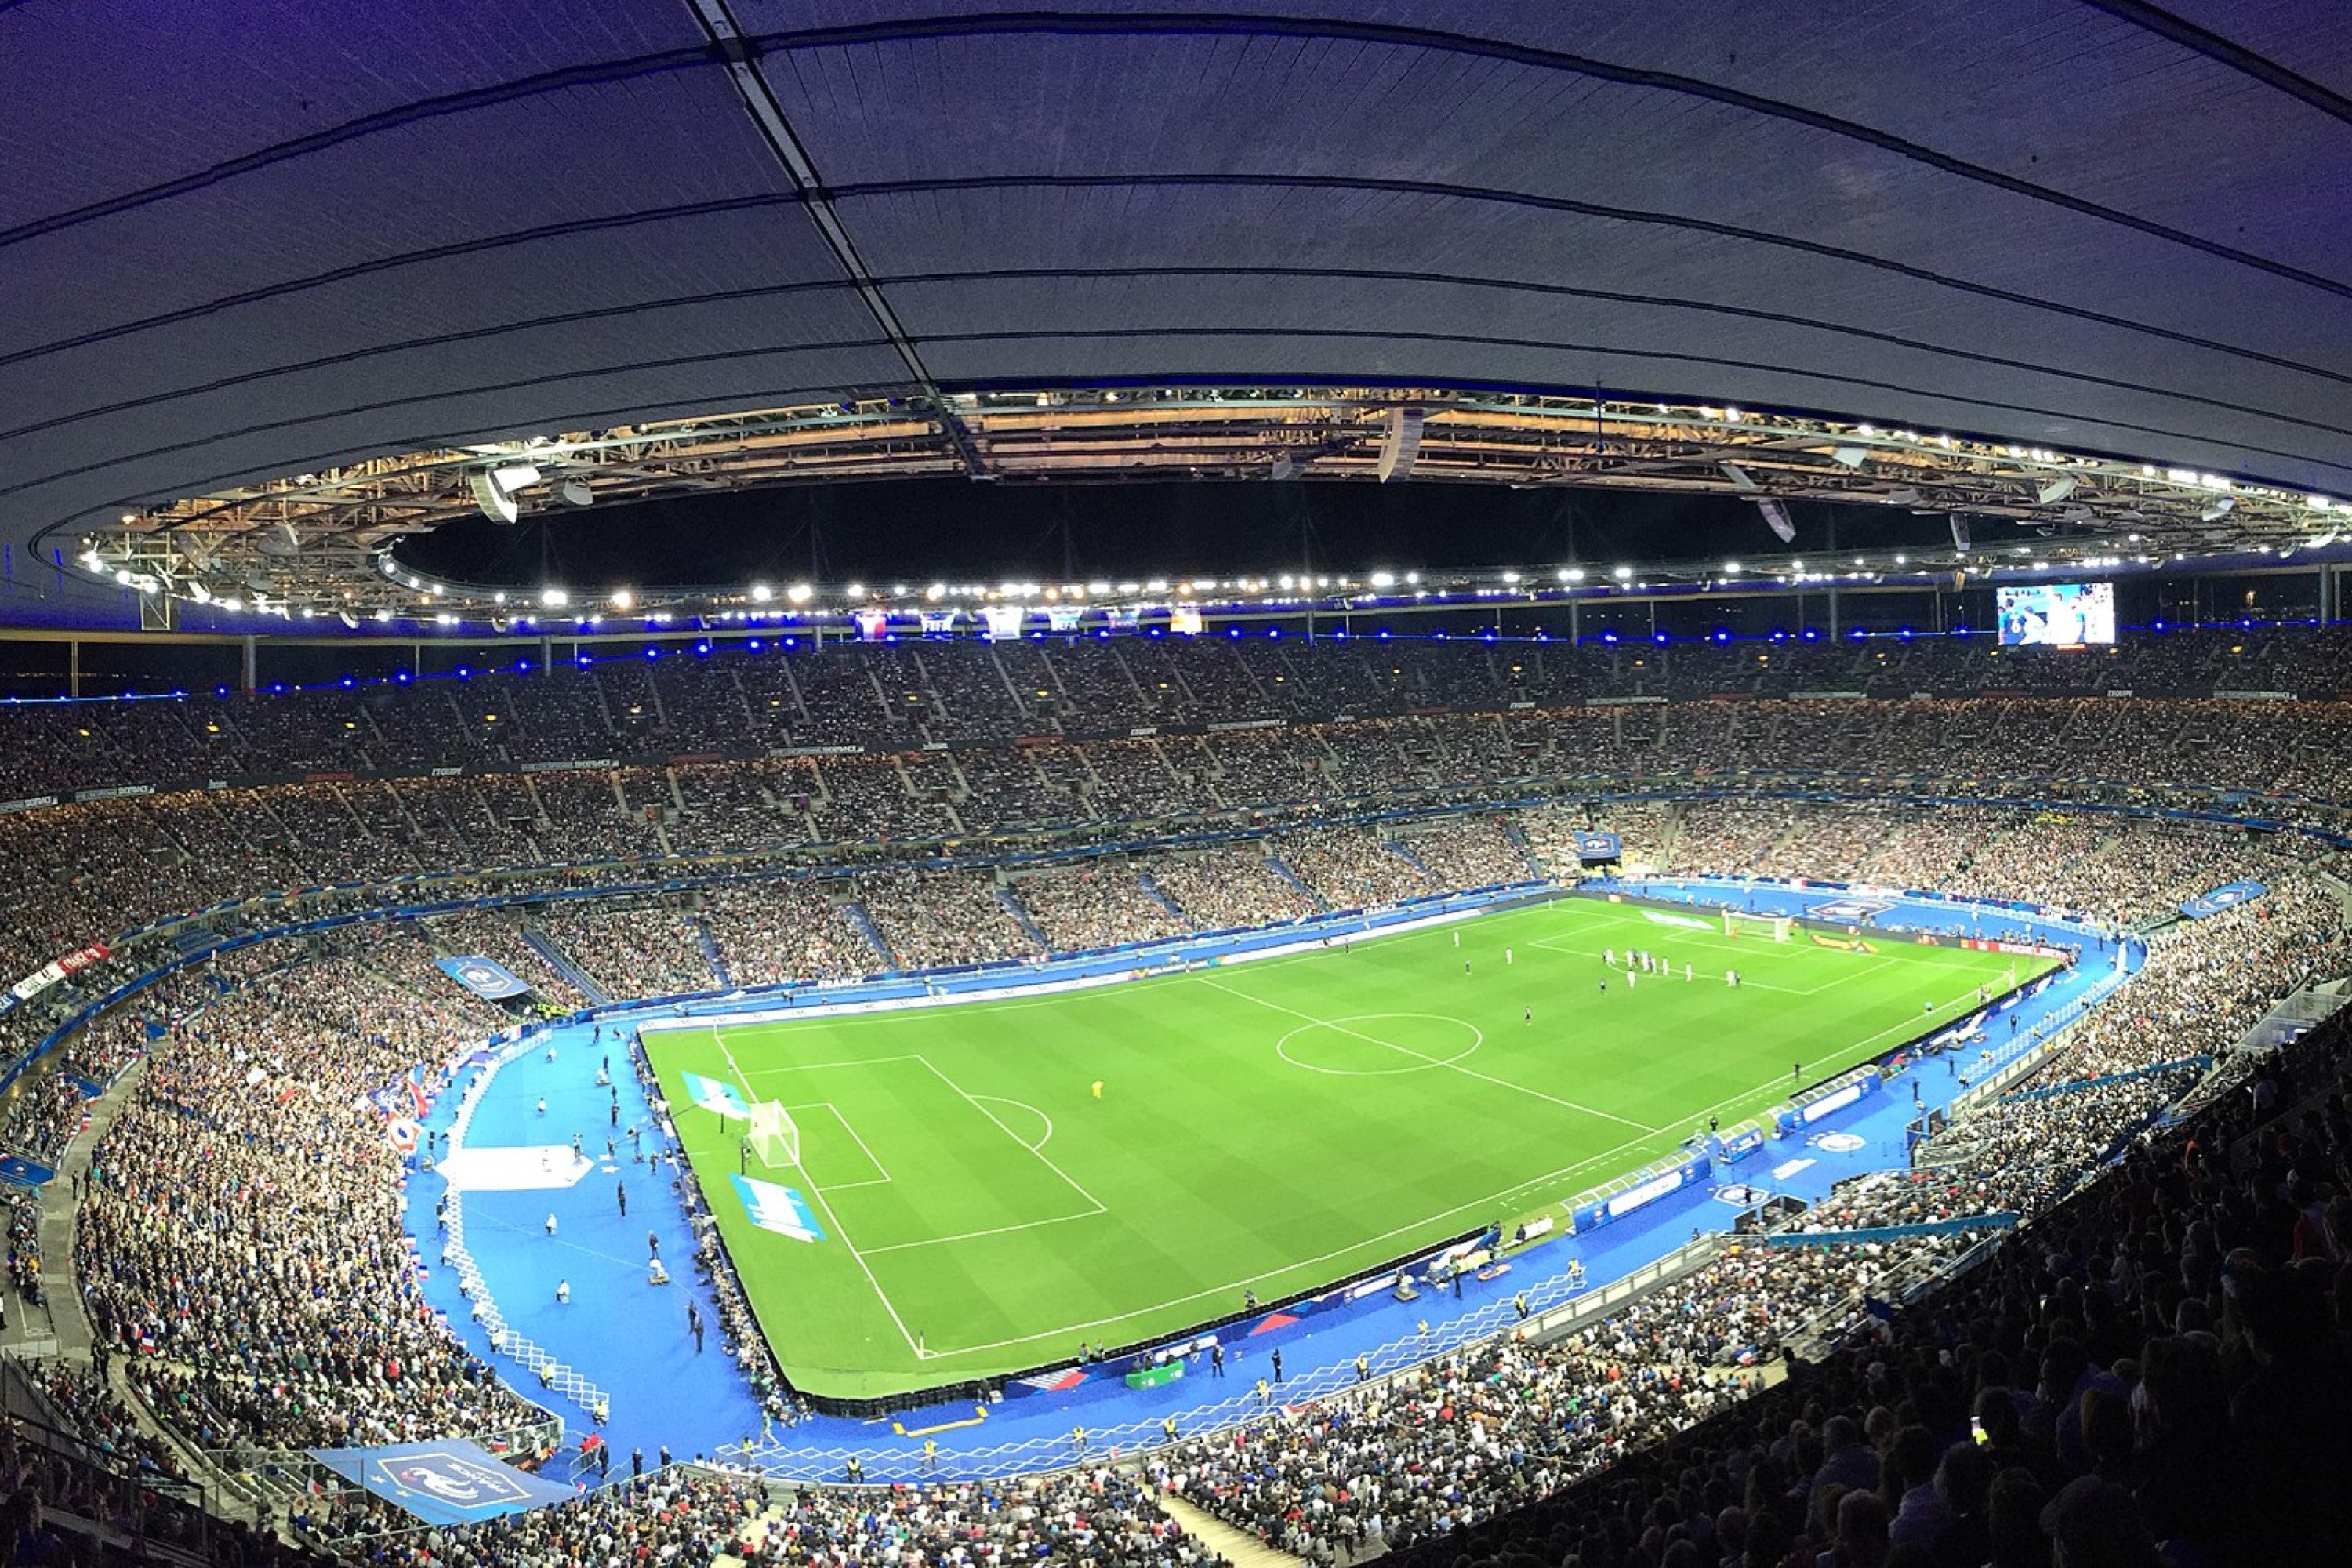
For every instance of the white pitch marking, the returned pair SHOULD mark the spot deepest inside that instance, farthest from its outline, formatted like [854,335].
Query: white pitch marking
[1002,1099]
[882,1181]
[816,1195]
[1100,1208]
[1439,1061]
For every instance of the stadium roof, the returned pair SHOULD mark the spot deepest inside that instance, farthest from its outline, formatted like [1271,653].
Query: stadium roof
[273,253]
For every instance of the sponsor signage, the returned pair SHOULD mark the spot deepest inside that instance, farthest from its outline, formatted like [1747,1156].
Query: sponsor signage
[1837,1099]
[56,969]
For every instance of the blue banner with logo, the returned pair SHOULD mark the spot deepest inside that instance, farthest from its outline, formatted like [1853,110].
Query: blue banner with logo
[447,1482]
[2227,896]
[712,1095]
[484,977]
[1596,847]
[20,1171]
[778,1209]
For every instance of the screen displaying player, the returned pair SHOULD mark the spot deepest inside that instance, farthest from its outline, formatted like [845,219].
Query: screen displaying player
[2057,615]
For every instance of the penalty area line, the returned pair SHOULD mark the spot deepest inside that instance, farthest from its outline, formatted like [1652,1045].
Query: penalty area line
[816,1195]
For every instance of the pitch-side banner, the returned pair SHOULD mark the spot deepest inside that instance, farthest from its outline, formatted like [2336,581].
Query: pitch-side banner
[445,1482]
[712,1095]
[484,977]
[778,1209]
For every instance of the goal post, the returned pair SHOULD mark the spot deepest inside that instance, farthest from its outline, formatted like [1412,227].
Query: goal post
[774,1137]
[1775,928]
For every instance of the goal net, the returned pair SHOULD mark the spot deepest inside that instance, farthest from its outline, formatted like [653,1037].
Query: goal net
[1775,928]
[773,1137]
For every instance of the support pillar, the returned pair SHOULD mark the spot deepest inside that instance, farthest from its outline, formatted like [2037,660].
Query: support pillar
[247,647]
[73,668]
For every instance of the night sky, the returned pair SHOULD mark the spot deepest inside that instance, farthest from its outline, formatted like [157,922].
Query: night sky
[920,529]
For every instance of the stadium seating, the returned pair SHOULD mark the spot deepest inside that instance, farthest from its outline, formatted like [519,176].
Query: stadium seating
[1652,1437]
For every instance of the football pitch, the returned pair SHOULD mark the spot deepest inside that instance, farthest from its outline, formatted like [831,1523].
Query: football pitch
[1272,1126]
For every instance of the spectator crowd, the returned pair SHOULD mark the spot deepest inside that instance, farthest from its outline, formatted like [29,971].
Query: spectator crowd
[2170,1314]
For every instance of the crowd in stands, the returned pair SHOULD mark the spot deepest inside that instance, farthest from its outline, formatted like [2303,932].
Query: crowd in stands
[1352,868]
[774,933]
[96,869]
[240,1247]
[1470,850]
[1100,1517]
[931,919]
[973,693]
[99,1417]
[42,1114]
[241,1255]
[1224,888]
[1097,904]
[630,947]
[24,1220]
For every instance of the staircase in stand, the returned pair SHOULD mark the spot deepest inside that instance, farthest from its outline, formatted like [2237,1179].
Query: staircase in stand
[1019,913]
[711,954]
[855,913]
[1238,1547]
[1397,849]
[1282,869]
[539,942]
[1158,895]
[1526,851]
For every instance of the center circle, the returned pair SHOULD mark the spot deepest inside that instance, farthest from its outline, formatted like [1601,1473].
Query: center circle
[1379,1044]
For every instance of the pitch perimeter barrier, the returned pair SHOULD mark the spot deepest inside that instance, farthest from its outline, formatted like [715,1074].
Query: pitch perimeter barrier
[1077,970]
[2000,1219]
[2201,1061]
[1726,894]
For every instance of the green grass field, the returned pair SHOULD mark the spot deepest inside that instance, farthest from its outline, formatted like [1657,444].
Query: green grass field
[1273,1125]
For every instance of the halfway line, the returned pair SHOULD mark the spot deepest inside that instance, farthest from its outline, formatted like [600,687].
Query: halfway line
[1434,1061]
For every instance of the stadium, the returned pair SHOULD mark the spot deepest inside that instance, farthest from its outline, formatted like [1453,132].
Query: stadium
[1551,788]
